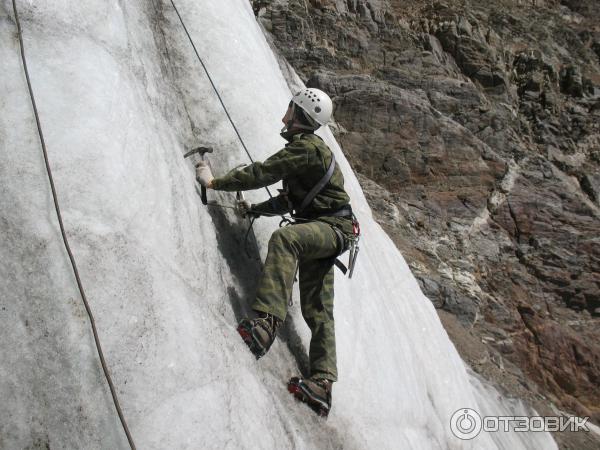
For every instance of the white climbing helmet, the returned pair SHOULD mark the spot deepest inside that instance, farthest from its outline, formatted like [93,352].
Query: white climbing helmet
[315,103]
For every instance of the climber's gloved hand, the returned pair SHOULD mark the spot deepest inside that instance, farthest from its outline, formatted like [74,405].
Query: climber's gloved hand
[204,175]
[244,209]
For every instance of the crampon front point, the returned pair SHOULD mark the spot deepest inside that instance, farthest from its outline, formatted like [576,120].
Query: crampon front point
[301,392]
[245,331]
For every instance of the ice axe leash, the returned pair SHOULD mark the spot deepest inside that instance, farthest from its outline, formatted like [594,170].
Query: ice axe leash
[201,151]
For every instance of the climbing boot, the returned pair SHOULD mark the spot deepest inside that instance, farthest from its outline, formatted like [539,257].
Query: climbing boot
[316,393]
[259,333]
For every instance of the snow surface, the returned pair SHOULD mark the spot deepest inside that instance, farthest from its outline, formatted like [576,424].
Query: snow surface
[121,98]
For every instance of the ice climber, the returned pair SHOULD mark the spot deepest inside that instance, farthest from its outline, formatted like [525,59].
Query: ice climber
[323,229]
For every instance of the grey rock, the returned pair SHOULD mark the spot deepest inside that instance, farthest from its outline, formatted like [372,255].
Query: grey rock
[590,183]
[571,81]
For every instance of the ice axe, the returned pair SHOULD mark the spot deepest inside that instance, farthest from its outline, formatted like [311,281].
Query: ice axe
[202,151]
[239,196]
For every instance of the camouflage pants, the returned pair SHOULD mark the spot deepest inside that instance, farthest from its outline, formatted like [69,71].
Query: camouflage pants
[312,246]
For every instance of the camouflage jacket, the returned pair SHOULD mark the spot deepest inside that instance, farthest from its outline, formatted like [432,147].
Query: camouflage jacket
[300,164]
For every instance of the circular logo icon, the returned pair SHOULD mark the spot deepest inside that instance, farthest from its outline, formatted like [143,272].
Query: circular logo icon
[465,423]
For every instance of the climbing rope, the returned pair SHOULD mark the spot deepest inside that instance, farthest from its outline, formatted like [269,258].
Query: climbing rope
[64,236]
[215,88]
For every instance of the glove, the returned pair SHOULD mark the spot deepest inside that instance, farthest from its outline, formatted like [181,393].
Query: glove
[203,173]
[244,209]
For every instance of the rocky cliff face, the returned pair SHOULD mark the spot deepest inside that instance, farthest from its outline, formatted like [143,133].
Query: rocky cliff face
[475,126]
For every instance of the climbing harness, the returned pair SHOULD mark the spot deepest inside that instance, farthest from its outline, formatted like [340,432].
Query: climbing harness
[345,211]
[318,187]
[64,237]
[346,243]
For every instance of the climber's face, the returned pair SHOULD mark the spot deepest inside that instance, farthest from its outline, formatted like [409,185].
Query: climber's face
[289,114]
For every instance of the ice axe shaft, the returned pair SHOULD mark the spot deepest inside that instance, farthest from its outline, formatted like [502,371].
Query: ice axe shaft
[239,197]
[201,151]
[352,259]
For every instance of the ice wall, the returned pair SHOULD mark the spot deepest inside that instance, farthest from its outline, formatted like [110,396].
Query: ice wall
[121,98]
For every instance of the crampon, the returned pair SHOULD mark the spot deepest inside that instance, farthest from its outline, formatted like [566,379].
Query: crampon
[302,392]
[246,332]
